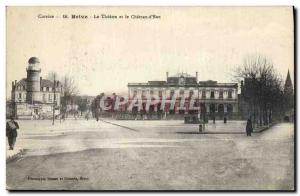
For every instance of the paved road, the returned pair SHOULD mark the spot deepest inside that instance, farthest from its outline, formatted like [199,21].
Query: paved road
[89,155]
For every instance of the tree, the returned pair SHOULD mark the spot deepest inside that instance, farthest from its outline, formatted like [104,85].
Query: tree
[70,90]
[263,89]
[82,105]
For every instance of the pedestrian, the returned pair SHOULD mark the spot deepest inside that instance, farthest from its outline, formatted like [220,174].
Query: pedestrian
[249,127]
[225,119]
[11,132]
[87,116]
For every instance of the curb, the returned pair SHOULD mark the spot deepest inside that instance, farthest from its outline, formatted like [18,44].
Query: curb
[15,156]
[261,129]
[221,132]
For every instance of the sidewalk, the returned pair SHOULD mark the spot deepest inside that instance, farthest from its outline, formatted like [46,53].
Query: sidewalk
[12,154]
[215,129]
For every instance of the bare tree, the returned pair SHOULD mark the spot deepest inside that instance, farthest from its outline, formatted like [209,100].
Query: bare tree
[70,90]
[263,87]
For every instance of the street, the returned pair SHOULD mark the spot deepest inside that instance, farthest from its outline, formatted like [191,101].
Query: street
[151,155]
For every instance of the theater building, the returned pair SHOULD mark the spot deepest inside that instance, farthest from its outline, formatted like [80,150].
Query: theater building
[34,97]
[214,98]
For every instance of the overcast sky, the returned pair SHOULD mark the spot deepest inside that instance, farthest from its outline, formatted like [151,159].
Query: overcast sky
[105,54]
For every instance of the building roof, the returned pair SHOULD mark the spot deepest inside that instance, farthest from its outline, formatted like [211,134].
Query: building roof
[44,83]
[33,60]
[186,75]
[183,80]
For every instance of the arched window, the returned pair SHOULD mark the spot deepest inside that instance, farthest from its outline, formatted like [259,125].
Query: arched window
[229,108]
[221,108]
[212,108]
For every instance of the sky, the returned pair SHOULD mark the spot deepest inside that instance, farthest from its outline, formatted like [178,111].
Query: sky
[104,55]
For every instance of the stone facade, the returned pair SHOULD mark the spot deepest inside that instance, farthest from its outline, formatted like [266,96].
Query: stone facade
[34,97]
[215,98]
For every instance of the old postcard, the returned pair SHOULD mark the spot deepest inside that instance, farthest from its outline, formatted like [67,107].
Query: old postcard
[150,98]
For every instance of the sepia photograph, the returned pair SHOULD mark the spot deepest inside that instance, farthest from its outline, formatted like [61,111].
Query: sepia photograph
[150,98]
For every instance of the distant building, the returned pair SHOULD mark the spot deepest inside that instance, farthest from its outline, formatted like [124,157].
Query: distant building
[288,95]
[215,98]
[34,97]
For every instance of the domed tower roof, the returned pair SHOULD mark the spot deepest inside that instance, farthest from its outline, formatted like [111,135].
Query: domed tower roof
[33,60]
[34,64]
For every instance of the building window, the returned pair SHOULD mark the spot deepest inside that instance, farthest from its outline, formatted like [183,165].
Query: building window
[134,93]
[229,108]
[171,93]
[54,97]
[221,94]
[50,97]
[143,93]
[160,93]
[20,95]
[230,94]
[212,94]
[181,92]
[47,89]
[204,94]
[151,92]
[44,97]
[191,92]
[24,88]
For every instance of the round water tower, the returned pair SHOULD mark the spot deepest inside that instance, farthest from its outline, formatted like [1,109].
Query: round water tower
[33,80]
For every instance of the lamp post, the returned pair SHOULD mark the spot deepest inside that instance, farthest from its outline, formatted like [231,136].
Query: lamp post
[54,101]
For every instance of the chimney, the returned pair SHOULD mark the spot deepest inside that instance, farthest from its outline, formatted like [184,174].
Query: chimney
[242,87]
[12,85]
[15,82]
[41,83]
[167,74]
[197,76]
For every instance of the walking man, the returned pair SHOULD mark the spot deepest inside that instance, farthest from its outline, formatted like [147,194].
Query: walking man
[11,132]
[249,128]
